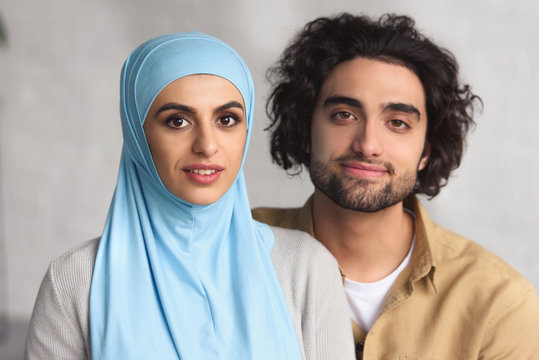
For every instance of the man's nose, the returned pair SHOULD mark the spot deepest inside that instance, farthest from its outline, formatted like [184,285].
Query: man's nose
[368,140]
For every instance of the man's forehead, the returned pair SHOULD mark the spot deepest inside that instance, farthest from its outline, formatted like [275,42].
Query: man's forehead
[373,80]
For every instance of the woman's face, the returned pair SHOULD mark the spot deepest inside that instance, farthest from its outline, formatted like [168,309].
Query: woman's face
[196,129]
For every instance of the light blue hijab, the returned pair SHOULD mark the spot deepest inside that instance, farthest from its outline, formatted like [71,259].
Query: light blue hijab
[174,280]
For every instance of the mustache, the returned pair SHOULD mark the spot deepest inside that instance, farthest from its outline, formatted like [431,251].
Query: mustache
[360,158]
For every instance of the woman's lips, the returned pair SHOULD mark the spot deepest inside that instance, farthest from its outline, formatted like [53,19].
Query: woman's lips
[364,170]
[203,173]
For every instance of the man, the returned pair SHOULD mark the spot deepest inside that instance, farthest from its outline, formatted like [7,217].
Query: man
[376,113]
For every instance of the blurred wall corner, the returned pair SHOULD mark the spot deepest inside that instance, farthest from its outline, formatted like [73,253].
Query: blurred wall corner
[4,323]
[3,36]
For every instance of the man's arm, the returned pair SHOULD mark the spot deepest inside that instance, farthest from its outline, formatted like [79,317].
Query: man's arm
[513,331]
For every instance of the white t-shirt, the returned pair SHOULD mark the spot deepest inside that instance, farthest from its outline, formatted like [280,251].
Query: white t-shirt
[365,299]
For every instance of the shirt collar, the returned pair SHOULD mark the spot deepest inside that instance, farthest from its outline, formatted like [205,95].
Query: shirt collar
[422,264]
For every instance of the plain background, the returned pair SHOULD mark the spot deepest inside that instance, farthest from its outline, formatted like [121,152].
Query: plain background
[60,136]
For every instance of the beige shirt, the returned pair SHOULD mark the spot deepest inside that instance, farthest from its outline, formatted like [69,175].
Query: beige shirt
[455,300]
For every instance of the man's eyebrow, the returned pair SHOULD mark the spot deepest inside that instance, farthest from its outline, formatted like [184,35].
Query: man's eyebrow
[228,105]
[402,107]
[340,99]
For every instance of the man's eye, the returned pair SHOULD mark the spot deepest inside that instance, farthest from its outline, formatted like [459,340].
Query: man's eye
[177,122]
[343,115]
[227,121]
[397,124]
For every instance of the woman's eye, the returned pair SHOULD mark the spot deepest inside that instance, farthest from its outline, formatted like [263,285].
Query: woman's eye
[177,122]
[227,121]
[398,124]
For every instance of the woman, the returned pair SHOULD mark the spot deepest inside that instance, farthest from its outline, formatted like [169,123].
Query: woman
[182,270]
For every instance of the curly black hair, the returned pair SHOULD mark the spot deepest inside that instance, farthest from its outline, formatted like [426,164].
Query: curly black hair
[328,41]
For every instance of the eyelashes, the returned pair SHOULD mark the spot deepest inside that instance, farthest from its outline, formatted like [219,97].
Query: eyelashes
[228,120]
[344,117]
[180,121]
[177,122]
[398,124]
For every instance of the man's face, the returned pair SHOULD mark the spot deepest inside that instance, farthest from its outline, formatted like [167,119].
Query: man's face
[368,135]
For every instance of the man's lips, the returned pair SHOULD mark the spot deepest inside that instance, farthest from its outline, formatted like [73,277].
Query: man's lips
[364,170]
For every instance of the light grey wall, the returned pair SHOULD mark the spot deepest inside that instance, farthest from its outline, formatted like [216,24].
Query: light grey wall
[60,134]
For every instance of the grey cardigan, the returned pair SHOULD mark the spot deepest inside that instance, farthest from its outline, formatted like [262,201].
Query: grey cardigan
[308,274]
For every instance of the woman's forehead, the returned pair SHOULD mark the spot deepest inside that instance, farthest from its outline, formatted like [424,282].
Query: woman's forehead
[201,90]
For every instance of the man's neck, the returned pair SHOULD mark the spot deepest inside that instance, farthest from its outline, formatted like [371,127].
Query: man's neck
[367,246]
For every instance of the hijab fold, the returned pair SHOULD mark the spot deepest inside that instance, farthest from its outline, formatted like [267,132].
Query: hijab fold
[173,280]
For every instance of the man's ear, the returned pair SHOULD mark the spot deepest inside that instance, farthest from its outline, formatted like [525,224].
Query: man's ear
[424,157]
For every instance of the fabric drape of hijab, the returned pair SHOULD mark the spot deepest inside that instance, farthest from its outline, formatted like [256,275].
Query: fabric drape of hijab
[173,280]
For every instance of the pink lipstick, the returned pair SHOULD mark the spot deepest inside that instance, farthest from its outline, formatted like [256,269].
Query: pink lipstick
[204,174]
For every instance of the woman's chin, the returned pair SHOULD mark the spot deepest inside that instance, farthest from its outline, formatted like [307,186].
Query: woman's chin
[200,192]
[201,198]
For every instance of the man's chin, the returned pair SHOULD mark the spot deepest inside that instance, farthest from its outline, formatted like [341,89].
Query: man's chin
[363,200]
[368,208]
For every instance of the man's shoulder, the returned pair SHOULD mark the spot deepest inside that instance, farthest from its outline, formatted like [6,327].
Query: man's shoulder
[281,217]
[457,256]
[452,250]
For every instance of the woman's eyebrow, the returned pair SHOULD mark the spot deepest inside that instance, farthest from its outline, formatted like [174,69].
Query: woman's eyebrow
[190,110]
[228,105]
[175,106]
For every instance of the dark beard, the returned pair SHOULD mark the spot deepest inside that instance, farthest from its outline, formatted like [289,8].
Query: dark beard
[356,194]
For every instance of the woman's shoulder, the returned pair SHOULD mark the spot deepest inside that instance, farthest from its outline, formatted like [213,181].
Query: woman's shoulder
[59,325]
[299,243]
[70,278]
[300,251]
[76,265]
[80,253]
[312,287]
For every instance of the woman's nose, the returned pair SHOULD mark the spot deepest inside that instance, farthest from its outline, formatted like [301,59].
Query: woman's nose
[205,143]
